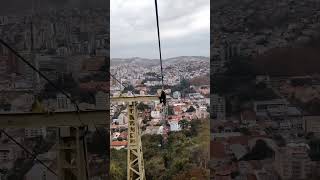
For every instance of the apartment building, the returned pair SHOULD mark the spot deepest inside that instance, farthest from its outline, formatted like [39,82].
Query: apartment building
[293,162]
[218,105]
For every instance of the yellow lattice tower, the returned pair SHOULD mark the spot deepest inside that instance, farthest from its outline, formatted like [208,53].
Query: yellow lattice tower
[135,164]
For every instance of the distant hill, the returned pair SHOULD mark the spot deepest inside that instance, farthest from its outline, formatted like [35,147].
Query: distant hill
[181,59]
[134,60]
[153,62]
[288,62]
[201,80]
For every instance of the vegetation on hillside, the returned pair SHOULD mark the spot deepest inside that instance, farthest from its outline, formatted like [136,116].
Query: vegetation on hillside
[183,157]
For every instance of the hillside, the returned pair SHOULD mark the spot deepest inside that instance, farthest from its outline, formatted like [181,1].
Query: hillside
[288,62]
[201,80]
[154,62]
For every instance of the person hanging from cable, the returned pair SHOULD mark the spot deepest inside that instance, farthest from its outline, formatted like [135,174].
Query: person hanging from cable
[163,98]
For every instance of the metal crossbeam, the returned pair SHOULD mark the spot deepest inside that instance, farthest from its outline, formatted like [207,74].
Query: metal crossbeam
[134,98]
[57,119]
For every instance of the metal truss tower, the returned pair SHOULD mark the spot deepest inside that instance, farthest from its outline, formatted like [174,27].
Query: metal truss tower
[135,169]
[135,163]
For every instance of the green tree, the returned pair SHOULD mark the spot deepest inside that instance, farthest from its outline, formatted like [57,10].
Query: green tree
[195,127]
[170,110]
[183,157]
[116,171]
[141,106]
[118,164]
[184,124]
[184,84]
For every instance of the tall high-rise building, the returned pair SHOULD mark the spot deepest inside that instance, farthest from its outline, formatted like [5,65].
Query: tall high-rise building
[4,20]
[64,103]
[293,162]
[218,106]
[101,100]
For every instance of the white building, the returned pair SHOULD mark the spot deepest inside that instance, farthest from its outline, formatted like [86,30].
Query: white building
[155,114]
[101,100]
[218,105]
[312,124]
[195,96]
[35,132]
[293,161]
[201,112]
[4,20]
[174,126]
[9,153]
[122,119]
[22,103]
[275,104]
[115,135]
[64,103]
[176,95]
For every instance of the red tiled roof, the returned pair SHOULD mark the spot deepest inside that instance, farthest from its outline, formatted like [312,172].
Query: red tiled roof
[119,143]
[177,108]
[217,150]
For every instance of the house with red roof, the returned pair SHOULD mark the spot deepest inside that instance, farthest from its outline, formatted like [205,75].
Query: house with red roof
[119,144]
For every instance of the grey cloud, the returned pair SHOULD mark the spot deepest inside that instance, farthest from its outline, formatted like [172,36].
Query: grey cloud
[133,29]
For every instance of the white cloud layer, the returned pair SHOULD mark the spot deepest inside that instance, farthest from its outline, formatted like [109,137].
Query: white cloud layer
[184,28]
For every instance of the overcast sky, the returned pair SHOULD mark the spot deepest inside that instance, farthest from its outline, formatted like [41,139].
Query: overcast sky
[184,28]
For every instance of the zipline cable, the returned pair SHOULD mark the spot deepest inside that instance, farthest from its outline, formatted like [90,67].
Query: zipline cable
[159,42]
[163,94]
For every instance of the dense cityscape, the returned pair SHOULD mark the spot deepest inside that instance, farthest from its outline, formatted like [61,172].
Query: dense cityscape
[187,87]
[265,90]
[259,90]
[69,46]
